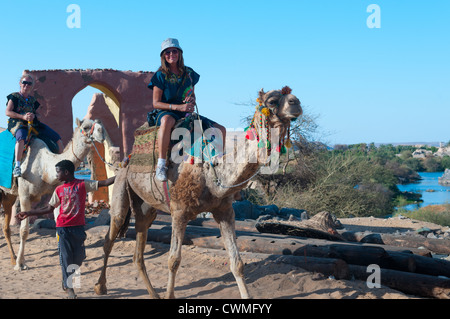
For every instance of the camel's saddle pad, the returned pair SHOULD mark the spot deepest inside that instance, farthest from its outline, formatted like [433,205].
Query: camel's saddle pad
[7,143]
[144,155]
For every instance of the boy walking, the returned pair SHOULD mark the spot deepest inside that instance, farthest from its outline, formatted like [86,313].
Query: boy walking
[71,199]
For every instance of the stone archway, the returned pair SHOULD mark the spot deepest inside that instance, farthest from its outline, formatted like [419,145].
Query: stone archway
[129,99]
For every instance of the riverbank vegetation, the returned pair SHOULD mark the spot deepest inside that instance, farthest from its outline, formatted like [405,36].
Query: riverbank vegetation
[356,180]
[437,214]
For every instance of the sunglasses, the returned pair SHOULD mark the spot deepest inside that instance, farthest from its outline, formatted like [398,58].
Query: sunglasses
[168,52]
[27,82]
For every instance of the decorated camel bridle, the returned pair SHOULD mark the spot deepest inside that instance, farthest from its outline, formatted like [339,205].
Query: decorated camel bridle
[266,111]
[252,133]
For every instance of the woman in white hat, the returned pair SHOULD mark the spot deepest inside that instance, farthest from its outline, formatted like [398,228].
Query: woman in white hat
[173,95]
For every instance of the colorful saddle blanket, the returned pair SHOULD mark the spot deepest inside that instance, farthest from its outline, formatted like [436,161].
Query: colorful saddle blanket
[7,144]
[190,145]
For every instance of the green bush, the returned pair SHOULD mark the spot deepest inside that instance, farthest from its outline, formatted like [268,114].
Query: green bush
[437,214]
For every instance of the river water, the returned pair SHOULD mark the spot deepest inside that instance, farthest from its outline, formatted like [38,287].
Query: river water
[432,192]
[83,174]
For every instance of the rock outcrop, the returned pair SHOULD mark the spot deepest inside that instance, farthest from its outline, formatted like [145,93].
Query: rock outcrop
[445,179]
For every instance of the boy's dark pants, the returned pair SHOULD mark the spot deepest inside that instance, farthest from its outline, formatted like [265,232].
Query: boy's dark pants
[71,249]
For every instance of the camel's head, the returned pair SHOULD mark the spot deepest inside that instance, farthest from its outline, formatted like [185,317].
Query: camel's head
[92,130]
[276,110]
[282,105]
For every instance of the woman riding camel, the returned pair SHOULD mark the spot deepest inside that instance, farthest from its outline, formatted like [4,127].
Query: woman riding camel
[173,95]
[21,109]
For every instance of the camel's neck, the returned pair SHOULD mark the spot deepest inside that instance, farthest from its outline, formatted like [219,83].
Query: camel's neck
[248,155]
[41,162]
[76,150]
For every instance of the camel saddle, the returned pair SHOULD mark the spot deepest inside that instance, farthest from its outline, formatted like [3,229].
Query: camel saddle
[144,155]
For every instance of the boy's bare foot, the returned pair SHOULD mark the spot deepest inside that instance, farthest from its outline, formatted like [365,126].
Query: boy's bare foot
[71,293]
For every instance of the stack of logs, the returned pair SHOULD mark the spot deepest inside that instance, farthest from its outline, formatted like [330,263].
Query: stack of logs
[403,265]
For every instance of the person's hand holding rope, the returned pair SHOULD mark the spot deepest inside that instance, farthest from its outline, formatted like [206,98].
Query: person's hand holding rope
[29,117]
[189,105]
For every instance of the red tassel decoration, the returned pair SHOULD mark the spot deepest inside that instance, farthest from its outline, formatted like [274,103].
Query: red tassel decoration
[286,90]
[250,135]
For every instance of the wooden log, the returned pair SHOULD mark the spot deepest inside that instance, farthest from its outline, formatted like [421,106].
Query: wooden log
[431,266]
[406,282]
[352,253]
[411,243]
[327,266]
[400,261]
[300,253]
[363,255]
[292,230]
[439,246]
[247,227]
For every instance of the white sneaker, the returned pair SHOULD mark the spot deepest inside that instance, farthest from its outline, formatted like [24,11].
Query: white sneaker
[161,174]
[17,172]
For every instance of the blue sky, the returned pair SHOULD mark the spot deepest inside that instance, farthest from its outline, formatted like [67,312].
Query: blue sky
[382,85]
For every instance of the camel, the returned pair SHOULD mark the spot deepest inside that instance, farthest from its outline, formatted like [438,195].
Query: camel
[39,178]
[196,188]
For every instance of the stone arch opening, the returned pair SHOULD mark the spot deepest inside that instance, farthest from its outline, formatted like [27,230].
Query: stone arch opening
[103,103]
[81,102]
[98,101]
[112,100]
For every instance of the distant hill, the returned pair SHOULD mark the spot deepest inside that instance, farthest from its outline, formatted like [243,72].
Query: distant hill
[416,144]
[429,144]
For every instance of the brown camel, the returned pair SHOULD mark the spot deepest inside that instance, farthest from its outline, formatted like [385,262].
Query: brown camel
[39,178]
[196,188]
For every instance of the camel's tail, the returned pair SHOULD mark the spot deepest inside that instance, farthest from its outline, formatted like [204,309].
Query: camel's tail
[123,229]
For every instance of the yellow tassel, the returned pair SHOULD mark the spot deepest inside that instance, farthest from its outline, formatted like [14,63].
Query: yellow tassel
[259,101]
[288,143]
[265,111]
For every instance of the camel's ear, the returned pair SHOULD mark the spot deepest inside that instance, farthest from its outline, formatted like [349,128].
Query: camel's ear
[261,94]
[78,122]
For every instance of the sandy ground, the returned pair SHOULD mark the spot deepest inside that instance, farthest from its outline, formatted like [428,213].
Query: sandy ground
[204,273]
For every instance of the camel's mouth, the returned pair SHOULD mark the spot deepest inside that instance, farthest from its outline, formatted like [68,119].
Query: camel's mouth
[293,112]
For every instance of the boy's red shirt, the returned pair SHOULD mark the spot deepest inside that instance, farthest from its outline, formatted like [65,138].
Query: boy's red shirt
[71,197]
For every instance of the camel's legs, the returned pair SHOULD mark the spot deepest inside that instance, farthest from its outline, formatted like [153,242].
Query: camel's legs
[25,206]
[8,202]
[143,222]
[119,211]
[227,229]
[24,231]
[178,231]
[100,286]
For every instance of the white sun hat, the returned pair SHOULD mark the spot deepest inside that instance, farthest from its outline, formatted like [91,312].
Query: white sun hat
[170,43]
